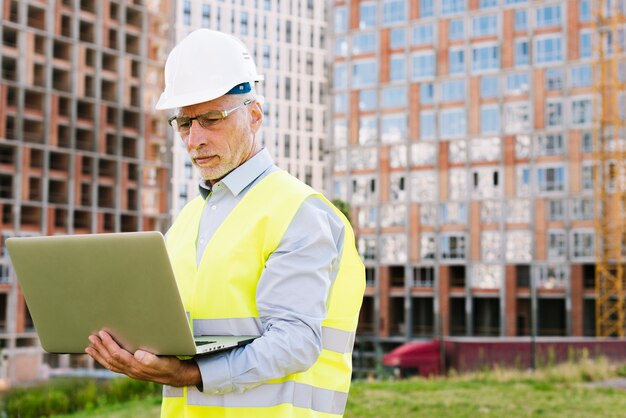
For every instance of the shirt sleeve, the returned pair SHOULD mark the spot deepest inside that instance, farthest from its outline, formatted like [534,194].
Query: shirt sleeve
[291,300]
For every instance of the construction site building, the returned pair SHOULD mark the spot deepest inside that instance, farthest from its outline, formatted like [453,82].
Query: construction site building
[463,139]
[81,148]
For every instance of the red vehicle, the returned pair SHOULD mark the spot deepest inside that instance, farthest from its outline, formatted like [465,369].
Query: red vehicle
[463,354]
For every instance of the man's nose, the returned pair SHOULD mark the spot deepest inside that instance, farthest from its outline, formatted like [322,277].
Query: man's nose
[197,136]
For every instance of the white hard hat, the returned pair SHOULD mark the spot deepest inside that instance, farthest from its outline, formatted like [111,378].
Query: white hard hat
[204,66]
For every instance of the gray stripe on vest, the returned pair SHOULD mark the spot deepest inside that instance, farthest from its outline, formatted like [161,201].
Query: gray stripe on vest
[172,392]
[228,326]
[337,340]
[268,395]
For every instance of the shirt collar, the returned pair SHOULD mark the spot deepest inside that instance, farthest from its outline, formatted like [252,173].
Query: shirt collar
[242,176]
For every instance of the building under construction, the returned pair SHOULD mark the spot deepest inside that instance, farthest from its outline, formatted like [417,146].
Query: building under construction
[463,138]
[81,149]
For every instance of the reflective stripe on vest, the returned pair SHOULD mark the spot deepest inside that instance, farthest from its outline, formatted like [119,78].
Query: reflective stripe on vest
[298,394]
[333,339]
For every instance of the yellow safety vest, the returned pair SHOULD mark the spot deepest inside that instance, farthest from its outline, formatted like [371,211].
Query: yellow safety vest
[222,290]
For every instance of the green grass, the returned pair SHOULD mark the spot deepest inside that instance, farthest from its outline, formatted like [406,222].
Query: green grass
[557,392]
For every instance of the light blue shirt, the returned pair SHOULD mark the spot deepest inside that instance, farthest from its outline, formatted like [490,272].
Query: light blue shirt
[291,294]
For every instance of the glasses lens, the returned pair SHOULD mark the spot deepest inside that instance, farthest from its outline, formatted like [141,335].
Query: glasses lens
[181,124]
[207,121]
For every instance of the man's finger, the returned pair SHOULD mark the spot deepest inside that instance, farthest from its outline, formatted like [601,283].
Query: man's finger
[118,355]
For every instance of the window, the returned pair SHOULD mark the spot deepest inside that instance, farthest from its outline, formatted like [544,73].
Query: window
[427,125]
[367,15]
[452,247]
[521,20]
[428,248]
[489,86]
[423,186]
[368,100]
[364,189]
[423,35]
[557,249]
[523,180]
[554,114]
[551,277]
[587,177]
[398,38]
[423,65]
[423,153]
[519,246]
[364,43]
[584,244]
[551,179]
[340,77]
[584,10]
[341,47]
[367,130]
[585,46]
[521,53]
[427,93]
[549,16]
[489,120]
[393,128]
[582,209]
[457,61]
[485,25]
[394,97]
[452,6]
[453,213]
[485,149]
[582,112]
[341,103]
[341,19]
[554,79]
[587,142]
[364,73]
[426,8]
[581,76]
[394,11]
[340,133]
[453,91]
[206,15]
[187,12]
[552,144]
[556,210]
[548,49]
[457,29]
[485,4]
[517,83]
[516,118]
[485,182]
[243,23]
[452,123]
[486,57]
[397,70]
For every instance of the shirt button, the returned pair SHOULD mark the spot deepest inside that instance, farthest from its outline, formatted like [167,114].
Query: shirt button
[201,241]
[213,207]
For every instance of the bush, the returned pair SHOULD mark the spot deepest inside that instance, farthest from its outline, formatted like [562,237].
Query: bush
[71,395]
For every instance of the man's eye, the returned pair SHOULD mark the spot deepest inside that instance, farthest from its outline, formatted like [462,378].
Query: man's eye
[206,122]
[183,123]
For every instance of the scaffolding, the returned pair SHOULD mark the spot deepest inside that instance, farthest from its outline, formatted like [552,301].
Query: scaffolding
[610,167]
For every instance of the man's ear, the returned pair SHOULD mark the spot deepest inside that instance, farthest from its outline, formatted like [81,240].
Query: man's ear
[256,116]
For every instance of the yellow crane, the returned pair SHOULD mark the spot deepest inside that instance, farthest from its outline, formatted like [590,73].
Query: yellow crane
[610,167]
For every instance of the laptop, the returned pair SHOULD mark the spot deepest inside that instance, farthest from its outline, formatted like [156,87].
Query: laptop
[76,285]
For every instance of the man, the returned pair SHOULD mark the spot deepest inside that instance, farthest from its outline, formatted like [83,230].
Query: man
[257,253]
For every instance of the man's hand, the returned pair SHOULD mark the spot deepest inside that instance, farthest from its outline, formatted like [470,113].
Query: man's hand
[142,365]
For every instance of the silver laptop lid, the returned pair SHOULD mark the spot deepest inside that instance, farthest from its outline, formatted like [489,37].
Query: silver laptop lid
[76,285]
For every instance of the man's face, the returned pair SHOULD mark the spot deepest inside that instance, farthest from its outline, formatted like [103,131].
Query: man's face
[219,149]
